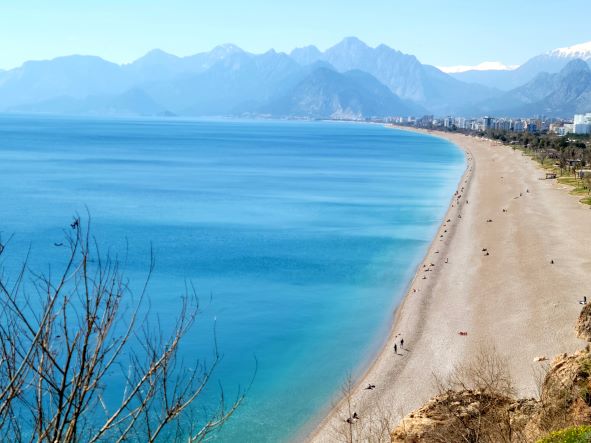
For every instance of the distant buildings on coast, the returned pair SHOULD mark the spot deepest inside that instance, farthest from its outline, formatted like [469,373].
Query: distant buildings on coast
[581,124]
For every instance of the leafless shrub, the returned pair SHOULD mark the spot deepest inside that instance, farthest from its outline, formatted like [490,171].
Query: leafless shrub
[475,402]
[64,337]
[345,429]
[486,371]
[361,420]
[378,421]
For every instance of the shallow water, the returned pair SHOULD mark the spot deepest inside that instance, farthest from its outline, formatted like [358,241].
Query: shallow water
[304,235]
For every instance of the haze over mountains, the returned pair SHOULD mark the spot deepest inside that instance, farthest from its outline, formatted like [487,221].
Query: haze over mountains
[550,62]
[350,80]
[562,94]
[353,90]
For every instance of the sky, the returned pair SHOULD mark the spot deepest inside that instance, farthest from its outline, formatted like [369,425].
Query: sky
[441,33]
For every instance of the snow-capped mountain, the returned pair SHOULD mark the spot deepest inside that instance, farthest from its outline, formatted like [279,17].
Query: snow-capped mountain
[552,62]
[484,66]
[230,81]
[582,51]
[561,94]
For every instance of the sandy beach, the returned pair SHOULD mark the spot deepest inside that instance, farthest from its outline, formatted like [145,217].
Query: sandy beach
[509,296]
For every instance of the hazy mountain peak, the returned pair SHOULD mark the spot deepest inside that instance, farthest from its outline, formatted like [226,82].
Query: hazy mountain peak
[272,56]
[552,62]
[577,65]
[309,48]
[225,50]
[558,94]
[306,55]
[156,56]
[74,76]
[382,47]
[352,43]
[67,63]
[74,58]
[582,50]
[228,80]
[157,52]
[326,93]
[348,53]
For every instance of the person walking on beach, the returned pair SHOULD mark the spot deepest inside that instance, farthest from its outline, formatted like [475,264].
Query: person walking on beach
[401,343]
[395,348]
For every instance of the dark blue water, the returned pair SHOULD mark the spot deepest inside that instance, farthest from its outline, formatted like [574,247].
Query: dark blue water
[304,235]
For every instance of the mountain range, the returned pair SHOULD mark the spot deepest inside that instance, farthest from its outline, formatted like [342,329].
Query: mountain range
[402,73]
[348,80]
[550,62]
[561,94]
[351,95]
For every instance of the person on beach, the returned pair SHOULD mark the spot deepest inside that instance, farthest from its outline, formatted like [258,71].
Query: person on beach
[395,348]
[402,340]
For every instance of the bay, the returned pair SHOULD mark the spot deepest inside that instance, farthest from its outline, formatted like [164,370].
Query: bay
[300,237]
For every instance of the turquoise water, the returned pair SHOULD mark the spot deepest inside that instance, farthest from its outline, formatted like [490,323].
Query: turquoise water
[304,235]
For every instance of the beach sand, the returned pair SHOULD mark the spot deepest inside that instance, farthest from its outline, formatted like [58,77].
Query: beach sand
[513,299]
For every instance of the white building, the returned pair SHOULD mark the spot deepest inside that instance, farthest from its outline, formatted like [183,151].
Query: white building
[487,122]
[518,126]
[582,119]
[503,125]
[565,129]
[582,124]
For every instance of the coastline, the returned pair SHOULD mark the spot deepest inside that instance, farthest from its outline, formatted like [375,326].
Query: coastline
[435,309]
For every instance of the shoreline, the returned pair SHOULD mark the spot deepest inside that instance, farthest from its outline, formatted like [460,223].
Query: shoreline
[387,345]
[402,381]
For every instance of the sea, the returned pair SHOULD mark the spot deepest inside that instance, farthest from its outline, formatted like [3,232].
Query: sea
[299,237]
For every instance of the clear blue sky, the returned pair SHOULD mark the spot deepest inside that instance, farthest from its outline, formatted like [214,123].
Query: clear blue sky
[442,33]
